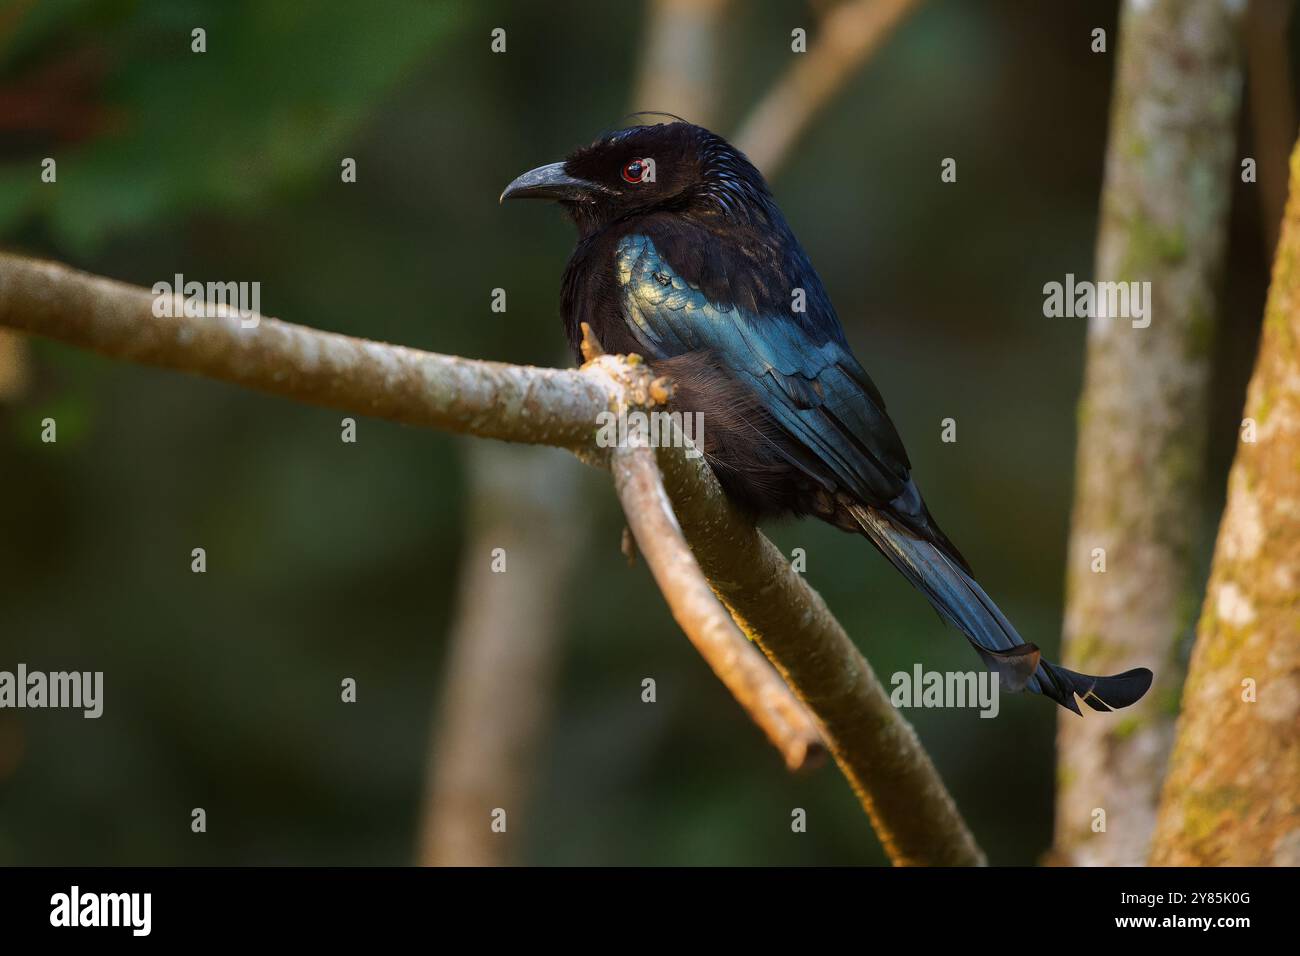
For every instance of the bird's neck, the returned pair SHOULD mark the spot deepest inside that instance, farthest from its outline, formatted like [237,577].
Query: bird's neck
[590,293]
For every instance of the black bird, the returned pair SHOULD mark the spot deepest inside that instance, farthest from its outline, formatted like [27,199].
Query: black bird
[684,258]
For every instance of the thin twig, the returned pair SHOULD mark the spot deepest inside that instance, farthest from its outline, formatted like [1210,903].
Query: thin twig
[846,38]
[739,666]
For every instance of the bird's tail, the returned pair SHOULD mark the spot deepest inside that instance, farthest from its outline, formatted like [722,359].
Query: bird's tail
[963,604]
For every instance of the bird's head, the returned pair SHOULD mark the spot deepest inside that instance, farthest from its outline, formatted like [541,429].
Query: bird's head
[668,166]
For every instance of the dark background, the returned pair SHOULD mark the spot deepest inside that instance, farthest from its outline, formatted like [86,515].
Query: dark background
[328,560]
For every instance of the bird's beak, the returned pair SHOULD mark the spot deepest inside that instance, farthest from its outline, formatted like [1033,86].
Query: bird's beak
[550,182]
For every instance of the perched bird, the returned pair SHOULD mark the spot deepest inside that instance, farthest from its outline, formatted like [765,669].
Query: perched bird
[684,258]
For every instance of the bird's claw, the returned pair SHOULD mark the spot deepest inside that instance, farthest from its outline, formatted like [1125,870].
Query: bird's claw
[661,390]
[590,345]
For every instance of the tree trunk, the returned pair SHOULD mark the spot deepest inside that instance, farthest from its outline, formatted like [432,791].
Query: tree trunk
[1142,416]
[502,653]
[1232,797]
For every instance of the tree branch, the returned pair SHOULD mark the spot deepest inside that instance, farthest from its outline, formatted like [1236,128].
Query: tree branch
[876,749]
[874,746]
[848,35]
[516,403]
[750,678]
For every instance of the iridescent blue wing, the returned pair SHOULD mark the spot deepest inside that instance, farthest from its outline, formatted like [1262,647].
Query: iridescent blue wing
[799,365]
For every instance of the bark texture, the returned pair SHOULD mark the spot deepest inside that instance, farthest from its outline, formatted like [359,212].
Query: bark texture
[1232,797]
[1142,416]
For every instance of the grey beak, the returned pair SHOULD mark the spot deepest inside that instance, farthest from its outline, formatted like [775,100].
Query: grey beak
[550,182]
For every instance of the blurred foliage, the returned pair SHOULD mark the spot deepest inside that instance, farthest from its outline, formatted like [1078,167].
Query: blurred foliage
[277,92]
[328,560]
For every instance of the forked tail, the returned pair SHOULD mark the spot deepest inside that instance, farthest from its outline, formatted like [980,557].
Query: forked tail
[963,604]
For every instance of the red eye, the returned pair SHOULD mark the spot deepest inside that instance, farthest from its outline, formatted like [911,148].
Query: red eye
[633,171]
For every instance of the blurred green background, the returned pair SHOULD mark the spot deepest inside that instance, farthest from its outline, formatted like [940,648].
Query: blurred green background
[328,560]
